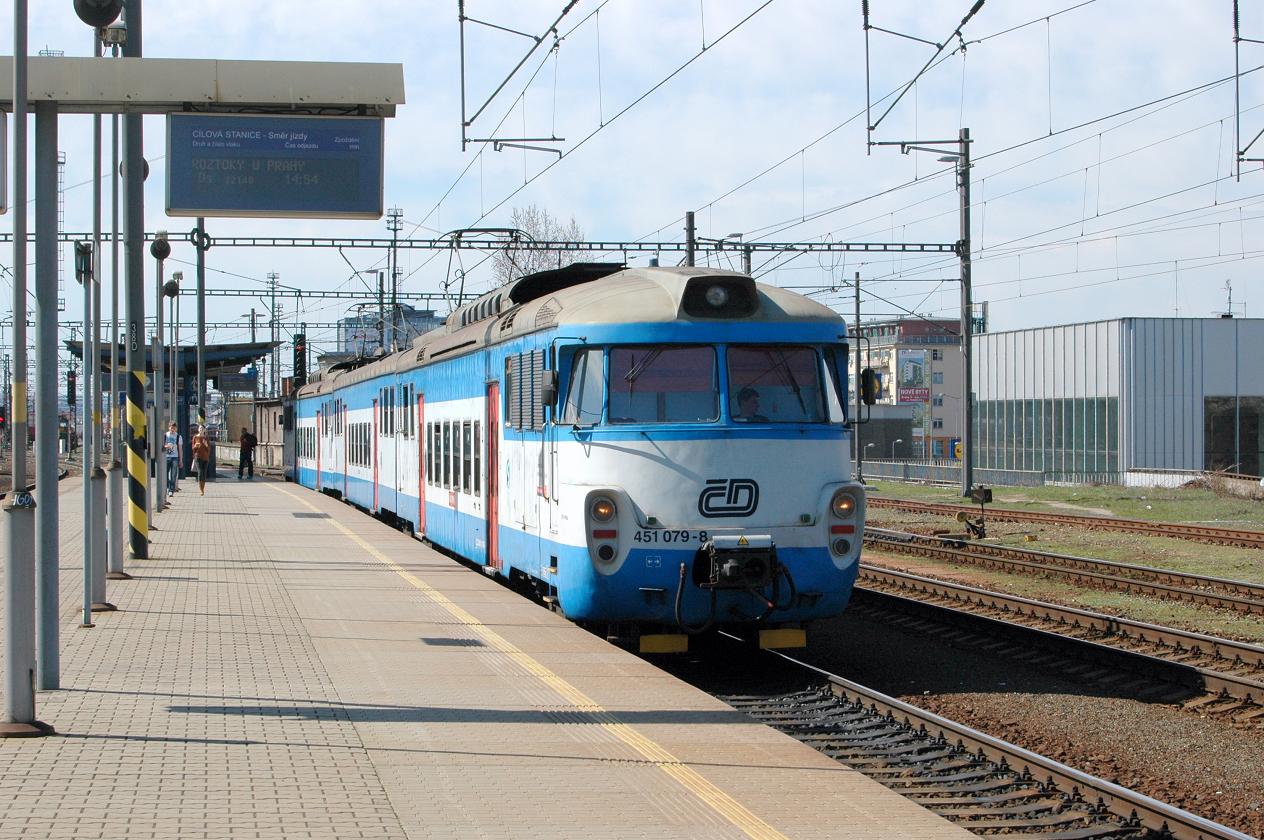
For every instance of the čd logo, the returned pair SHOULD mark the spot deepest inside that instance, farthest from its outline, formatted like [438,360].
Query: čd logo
[728,497]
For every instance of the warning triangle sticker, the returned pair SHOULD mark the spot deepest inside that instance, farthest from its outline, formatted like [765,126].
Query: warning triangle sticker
[742,541]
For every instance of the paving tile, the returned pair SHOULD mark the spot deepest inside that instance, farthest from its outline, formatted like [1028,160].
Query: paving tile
[269,676]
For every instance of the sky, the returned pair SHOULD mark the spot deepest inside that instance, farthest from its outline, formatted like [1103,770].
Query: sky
[1103,176]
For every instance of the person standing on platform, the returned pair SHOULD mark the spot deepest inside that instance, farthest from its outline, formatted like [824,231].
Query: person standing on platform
[201,457]
[173,446]
[246,461]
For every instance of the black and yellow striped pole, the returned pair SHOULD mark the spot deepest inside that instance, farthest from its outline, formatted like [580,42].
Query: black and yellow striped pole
[137,471]
[134,171]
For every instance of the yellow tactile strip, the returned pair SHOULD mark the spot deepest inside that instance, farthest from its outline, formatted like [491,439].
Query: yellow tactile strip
[723,804]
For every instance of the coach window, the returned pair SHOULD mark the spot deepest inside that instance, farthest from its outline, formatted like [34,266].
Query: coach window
[436,475]
[445,455]
[663,384]
[774,384]
[467,457]
[586,391]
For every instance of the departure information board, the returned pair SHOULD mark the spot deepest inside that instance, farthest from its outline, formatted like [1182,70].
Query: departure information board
[268,166]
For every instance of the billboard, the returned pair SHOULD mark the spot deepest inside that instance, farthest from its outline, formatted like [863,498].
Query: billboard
[274,166]
[910,377]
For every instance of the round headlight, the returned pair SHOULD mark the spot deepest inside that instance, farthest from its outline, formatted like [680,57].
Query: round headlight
[606,552]
[841,547]
[602,510]
[843,504]
[717,296]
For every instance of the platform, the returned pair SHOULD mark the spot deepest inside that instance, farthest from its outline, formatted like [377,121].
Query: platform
[286,666]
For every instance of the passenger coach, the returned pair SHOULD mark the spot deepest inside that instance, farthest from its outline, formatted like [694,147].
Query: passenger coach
[654,451]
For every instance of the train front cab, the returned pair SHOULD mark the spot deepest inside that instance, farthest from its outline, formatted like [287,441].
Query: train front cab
[712,519]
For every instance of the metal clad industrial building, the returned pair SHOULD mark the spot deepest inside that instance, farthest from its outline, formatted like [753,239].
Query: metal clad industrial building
[1106,397]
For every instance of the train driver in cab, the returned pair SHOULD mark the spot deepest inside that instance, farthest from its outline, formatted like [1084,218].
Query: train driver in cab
[748,407]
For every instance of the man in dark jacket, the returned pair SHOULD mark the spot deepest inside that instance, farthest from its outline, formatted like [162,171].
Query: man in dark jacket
[247,459]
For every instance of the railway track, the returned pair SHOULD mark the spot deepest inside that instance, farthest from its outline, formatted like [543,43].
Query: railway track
[985,785]
[1202,673]
[1221,593]
[1197,533]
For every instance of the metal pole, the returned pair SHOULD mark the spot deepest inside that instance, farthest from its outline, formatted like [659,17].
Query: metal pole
[394,220]
[134,258]
[254,394]
[160,426]
[88,519]
[94,533]
[746,260]
[117,489]
[860,453]
[690,238]
[381,313]
[175,379]
[47,538]
[274,381]
[201,320]
[19,591]
[460,14]
[967,318]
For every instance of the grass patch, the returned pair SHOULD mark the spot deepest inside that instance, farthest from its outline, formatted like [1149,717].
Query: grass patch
[1222,561]
[1192,504]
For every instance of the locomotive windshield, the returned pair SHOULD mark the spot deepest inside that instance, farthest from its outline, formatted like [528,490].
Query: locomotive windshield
[663,384]
[672,383]
[775,384]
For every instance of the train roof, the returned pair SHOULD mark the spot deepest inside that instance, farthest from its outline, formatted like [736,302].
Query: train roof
[584,293]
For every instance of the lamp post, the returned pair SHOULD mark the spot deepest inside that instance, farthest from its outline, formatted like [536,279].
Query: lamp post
[172,289]
[115,35]
[961,157]
[160,249]
[893,443]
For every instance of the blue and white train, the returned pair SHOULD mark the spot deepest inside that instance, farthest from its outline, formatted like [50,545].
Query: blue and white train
[654,451]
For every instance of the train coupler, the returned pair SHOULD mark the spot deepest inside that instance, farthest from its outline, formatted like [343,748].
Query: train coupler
[743,561]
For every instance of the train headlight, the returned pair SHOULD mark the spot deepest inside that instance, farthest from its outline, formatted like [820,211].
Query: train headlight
[602,509]
[841,547]
[843,504]
[717,296]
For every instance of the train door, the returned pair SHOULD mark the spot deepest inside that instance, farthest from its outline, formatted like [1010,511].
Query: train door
[493,474]
[422,442]
[388,449]
[400,439]
[400,432]
[289,460]
[320,444]
[376,409]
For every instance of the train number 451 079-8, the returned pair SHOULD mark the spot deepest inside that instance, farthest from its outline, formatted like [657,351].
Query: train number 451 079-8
[664,536]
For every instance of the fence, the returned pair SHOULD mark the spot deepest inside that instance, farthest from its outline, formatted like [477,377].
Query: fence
[949,472]
[268,456]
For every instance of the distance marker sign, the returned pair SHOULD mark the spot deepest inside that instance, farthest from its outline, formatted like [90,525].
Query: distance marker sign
[280,167]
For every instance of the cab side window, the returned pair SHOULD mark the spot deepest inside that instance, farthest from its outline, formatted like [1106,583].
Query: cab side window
[586,391]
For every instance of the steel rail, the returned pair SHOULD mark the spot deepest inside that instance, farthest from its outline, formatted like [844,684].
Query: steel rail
[1152,644]
[1247,597]
[1157,816]
[1198,533]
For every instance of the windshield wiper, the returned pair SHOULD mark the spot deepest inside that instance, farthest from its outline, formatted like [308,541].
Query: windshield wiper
[637,369]
[794,383]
